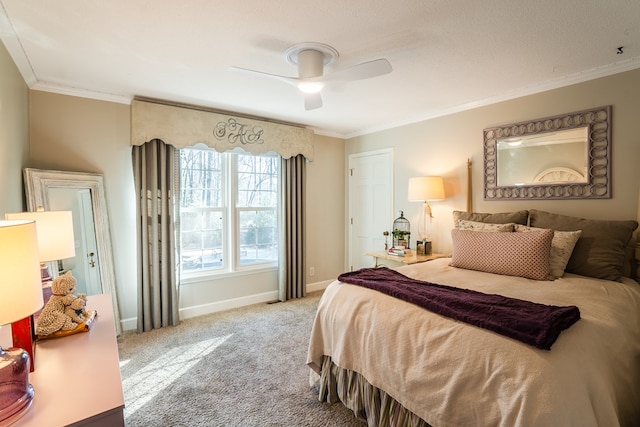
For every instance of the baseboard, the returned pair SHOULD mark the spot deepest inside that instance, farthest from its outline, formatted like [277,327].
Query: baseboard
[130,324]
[200,310]
[214,307]
[318,286]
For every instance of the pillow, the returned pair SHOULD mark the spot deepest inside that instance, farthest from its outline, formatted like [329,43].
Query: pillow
[519,217]
[464,224]
[600,250]
[562,246]
[511,254]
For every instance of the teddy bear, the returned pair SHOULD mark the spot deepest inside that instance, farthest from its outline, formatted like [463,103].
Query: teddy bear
[54,316]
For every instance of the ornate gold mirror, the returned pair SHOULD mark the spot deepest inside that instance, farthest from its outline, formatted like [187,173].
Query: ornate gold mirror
[560,157]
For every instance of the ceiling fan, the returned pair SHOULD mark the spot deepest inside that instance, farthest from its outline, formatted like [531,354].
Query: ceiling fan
[311,58]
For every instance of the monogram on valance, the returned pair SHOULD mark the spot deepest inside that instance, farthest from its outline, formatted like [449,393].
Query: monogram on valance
[184,127]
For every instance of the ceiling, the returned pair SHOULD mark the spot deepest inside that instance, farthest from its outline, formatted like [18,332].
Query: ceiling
[447,55]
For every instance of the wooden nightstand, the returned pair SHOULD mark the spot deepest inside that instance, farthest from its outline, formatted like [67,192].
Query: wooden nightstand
[383,258]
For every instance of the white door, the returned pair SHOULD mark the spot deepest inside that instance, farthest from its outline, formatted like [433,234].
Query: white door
[84,266]
[370,204]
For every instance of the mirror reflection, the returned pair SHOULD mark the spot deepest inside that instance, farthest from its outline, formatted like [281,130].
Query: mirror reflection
[85,265]
[551,157]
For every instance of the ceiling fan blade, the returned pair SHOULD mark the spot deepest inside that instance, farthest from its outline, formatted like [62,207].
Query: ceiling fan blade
[291,80]
[312,101]
[366,70]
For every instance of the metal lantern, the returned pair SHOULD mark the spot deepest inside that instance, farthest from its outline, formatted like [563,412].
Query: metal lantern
[401,231]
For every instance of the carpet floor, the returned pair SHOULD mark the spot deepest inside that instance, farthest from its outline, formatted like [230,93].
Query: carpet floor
[241,367]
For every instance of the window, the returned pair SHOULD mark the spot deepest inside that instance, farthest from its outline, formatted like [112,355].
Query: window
[228,210]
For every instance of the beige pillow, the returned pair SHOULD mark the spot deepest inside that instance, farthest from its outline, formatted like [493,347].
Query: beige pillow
[519,217]
[600,250]
[464,224]
[561,247]
[511,254]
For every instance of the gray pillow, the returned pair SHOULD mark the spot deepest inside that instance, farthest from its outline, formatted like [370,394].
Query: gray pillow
[519,217]
[600,250]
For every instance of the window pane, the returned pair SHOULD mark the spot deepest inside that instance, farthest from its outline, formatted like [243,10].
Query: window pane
[201,239]
[258,236]
[201,178]
[257,181]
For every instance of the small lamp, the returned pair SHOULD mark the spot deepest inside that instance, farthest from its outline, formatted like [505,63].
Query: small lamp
[425,189]
[20,297]
[55,242]
[55,236]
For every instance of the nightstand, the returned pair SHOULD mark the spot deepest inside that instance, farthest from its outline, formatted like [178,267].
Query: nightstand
[411,257]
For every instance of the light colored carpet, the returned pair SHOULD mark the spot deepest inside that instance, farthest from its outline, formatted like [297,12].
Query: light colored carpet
[242,367]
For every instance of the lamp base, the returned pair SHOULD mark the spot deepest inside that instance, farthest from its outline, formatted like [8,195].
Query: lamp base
[423,247]
[16,394]
[23,334]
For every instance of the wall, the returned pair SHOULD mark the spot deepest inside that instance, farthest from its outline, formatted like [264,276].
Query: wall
[14,134]
[325,207]
[441,146]
[78,134]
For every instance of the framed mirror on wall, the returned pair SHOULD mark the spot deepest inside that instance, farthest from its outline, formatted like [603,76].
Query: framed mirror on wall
[560,157]
[83,194]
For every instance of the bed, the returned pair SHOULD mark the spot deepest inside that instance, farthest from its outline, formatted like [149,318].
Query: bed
[395,363]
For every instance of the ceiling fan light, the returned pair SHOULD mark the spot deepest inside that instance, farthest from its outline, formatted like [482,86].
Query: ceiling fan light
[310,87]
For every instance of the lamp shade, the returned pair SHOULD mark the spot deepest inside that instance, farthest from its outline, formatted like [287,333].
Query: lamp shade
[20,286]
[55,233]
[425,188]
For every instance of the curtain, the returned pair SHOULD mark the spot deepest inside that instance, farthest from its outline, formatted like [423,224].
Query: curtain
[156,175]
[292,237]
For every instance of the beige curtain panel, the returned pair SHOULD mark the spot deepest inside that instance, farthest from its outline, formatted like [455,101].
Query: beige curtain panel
[156,175]
[292,282]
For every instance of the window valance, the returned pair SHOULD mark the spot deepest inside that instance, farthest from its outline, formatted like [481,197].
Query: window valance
[185,127]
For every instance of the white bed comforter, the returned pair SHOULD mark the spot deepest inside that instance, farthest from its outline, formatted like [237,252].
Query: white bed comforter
[453,374]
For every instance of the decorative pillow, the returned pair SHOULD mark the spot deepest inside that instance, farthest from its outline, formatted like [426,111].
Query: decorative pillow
[464,224]
[561,247]
[519,217]
[600,250]
[512,254]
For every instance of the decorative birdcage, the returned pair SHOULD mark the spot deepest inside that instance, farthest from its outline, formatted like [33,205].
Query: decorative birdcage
[401,231]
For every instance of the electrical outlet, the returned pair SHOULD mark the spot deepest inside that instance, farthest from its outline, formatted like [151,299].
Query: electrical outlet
[312,271]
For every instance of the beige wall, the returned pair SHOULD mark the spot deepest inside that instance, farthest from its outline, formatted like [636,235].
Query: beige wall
[78,134]
[441,146]
[325,208]
[14,134]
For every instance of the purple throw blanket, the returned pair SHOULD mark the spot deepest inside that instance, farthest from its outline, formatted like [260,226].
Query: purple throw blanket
[532,323]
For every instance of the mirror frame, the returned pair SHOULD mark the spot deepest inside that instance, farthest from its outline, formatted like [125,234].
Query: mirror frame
[598,185]
[37,184]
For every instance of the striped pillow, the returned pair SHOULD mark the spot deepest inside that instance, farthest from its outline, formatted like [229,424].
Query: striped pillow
[511,254]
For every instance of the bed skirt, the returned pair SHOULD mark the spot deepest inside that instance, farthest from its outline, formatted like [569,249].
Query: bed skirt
[367,402]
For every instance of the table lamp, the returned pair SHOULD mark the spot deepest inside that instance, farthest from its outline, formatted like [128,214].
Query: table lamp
[425,189]
[55,236]
[20,297]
